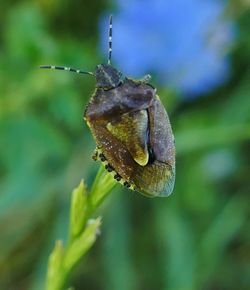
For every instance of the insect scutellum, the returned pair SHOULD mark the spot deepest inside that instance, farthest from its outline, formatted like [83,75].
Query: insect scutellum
[107,77]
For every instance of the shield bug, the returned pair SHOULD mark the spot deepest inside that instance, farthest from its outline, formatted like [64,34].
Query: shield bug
[131,129]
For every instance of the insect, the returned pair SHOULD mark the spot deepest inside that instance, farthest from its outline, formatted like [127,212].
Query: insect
[131,129]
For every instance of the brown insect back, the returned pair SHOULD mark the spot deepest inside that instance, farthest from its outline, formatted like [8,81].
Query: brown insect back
[131,129]
[126,121]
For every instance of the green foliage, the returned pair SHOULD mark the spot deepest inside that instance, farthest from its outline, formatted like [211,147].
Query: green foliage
[83,230]
[78,210]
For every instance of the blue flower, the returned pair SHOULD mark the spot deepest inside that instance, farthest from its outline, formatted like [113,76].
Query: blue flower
[184,43]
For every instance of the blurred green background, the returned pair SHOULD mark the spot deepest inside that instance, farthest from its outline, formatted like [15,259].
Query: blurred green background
[198,238]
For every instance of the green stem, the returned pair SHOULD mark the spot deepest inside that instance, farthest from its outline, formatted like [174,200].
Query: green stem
[82,234]
[102,185]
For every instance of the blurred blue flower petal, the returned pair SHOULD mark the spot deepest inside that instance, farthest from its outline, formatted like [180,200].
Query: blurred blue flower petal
[184,42]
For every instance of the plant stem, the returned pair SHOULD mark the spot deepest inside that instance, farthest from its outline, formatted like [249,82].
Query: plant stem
[82,231]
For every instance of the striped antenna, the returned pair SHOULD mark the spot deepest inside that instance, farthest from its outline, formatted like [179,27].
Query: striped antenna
[110,39]
[78,71]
